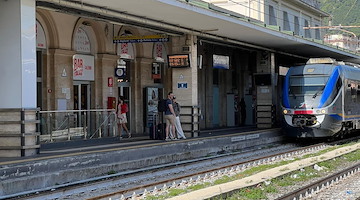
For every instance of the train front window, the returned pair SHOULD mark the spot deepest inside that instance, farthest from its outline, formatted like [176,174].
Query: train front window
[307,85]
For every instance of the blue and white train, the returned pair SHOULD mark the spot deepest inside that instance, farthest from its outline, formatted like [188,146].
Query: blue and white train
[321,99]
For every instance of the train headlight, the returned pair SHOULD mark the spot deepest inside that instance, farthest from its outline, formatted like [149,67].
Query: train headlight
[323,111]
[285,112]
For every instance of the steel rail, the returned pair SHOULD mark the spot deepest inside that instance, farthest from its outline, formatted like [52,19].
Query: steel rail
[316,186]
[111,178]
[142,187]
[171,180]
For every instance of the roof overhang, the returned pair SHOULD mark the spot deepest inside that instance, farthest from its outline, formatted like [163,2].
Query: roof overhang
[178,17]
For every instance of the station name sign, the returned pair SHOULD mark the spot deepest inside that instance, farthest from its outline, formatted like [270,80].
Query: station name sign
[140,39]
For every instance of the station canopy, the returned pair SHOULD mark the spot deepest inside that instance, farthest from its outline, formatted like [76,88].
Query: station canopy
[198,18]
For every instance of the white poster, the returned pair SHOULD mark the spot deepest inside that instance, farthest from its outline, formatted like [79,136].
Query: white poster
[83,67]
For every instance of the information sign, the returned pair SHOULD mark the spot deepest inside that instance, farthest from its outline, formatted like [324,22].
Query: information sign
[140,39]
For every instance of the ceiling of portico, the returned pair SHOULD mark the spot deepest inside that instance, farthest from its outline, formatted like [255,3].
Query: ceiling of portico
[180,16]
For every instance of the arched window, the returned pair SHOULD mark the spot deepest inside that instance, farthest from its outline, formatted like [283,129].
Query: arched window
[81,41]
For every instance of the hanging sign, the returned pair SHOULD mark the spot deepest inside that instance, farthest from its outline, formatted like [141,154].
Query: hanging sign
[156,71]
[140,39]
[120,72]
[221,62]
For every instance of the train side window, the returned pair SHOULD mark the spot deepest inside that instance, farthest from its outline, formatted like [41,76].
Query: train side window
[338,85]
[353,91]
[358,93]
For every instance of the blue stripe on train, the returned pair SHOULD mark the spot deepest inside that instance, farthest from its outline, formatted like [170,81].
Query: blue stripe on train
[336,116]
[329,87]
[286,102]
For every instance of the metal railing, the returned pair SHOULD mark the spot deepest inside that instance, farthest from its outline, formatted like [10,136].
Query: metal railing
[76,124]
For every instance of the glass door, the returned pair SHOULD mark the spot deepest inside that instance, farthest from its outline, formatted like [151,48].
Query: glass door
[81,101]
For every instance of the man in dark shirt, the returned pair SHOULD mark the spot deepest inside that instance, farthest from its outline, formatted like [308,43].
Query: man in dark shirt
[170,117]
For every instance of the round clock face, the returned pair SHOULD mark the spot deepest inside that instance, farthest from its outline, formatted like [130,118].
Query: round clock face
[120,72]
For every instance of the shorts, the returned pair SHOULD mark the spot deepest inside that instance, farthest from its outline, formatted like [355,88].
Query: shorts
[122,118]
[170,120]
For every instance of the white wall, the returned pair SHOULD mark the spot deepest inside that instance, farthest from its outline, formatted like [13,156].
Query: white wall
[17,54]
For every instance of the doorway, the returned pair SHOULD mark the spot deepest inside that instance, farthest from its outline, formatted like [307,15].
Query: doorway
[124,90]
[81,96]
[39,92]
[82,101]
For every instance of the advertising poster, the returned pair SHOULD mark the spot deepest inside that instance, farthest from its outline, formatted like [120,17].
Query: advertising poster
[83,67]
[152,100]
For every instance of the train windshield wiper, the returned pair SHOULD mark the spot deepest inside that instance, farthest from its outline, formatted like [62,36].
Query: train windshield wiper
[315,95]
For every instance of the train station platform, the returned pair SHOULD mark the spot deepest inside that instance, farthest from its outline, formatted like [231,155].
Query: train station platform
[67,162]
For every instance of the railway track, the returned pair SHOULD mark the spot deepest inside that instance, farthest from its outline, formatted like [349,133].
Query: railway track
[308,191]
[138,180]
[158,179]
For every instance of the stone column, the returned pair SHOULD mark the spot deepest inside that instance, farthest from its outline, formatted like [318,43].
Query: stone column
[142,79]
[187,96]
[18,135]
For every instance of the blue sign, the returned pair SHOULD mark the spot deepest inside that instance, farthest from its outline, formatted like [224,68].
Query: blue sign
[120,72]
[182,85]
[142,40]
[139,39]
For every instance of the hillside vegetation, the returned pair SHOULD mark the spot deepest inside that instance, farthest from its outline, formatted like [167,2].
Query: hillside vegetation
[344,12]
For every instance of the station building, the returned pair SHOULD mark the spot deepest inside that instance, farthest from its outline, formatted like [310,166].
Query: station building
[68,56]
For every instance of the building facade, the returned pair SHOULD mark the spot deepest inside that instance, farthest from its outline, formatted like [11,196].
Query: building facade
[343,41]
[282,15]
[82,57]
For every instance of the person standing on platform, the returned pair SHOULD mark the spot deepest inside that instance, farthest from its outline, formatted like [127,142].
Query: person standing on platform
[243,111]
[179,130]
[170,118]
[122,109]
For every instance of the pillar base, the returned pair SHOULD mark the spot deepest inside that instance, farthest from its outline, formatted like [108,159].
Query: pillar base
[18,136]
